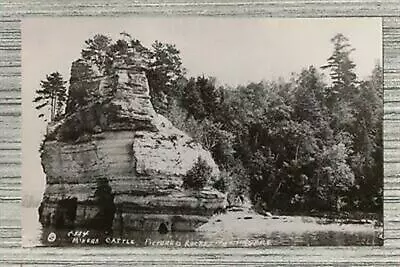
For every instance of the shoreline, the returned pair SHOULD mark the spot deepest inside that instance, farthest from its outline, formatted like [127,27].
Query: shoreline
[249,223]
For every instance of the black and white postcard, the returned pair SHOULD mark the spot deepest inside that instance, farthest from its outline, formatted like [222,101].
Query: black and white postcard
[214,132]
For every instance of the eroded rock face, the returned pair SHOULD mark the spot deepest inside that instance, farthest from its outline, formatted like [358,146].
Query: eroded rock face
[112,103]
[125,168]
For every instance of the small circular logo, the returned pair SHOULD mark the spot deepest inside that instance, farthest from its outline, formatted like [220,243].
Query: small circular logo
[52,237]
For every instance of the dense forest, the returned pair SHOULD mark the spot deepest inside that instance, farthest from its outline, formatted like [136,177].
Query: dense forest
[299,145]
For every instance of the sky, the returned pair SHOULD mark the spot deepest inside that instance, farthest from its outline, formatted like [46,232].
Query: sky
[234,50]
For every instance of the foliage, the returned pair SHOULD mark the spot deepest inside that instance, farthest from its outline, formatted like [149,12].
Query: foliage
[296,145]
[236,182]
[164,74]
[206,132]
[164,66]
[341,66]
[301,144]
[220,184]
[198,176]
[52,95]
[201,98]
[344,85]
[83,86]
[96,50]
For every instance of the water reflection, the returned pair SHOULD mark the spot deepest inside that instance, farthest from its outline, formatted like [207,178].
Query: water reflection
[51,237]
[35,235]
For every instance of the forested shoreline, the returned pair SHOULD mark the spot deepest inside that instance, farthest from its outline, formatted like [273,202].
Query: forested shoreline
[292,146]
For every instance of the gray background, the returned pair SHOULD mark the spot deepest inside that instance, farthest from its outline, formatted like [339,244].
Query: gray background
[10,136]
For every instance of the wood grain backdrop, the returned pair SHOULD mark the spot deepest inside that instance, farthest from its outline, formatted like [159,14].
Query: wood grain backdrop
[11,253]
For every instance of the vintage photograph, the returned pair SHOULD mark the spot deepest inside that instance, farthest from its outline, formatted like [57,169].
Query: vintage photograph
[214,132]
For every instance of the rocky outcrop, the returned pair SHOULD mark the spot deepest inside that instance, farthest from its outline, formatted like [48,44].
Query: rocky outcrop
[117,163]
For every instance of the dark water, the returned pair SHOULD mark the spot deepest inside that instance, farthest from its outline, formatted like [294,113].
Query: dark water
[83,237]
[36,235]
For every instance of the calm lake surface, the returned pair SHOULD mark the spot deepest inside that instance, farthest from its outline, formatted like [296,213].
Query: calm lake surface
[35,235]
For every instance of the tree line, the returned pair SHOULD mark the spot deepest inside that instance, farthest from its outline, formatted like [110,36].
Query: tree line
[294,145]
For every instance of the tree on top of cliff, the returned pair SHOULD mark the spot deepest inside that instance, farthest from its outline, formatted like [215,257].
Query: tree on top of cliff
[83,86]
[163,61]
[96,50]
[102,51]
[164,75]
[52,95]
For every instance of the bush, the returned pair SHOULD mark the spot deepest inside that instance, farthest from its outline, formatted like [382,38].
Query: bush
[197,176]
[220,185]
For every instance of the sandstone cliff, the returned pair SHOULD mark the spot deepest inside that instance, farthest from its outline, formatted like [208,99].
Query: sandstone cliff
[116,163]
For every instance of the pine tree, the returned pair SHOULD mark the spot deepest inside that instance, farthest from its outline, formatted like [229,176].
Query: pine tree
[340,95]
[96,50]
[308,96]
[341,66]
[83,87]
[164,74]
[192,101]
[51,95]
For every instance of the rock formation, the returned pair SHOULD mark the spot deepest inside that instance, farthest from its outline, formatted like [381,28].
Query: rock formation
[115,162]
